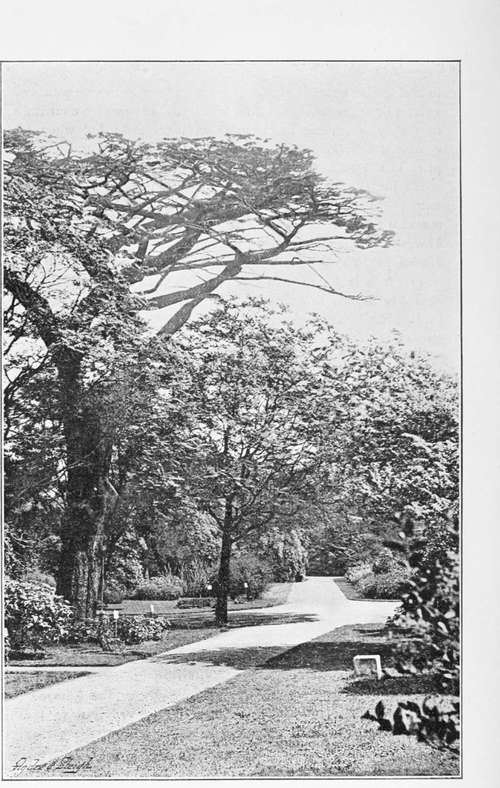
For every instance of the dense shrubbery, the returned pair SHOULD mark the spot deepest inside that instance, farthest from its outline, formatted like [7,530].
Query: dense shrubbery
[255,572]
[38,577]
[357,572]
[34,615]
[113,595]
[138,629]
[430,612]
[384,585]
[429,620]
[129,630]
[166,587]
[383,578]
[195,577]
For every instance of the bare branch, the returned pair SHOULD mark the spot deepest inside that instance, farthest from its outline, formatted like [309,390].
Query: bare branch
[331,290]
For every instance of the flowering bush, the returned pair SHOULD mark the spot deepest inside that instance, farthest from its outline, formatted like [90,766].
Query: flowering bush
[34,615]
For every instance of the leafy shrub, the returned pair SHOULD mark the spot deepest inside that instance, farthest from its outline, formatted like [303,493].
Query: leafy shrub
[430,611]
[436,721]
[130,630]
[140,628]
[34,615]
[166,587]
[252,570]
[40,578]
[195,577]
[113,595]
[384,562]
[82,631]
[389,585]
[355,573]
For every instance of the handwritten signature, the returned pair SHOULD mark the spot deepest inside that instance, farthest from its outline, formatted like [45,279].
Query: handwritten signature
[66,765]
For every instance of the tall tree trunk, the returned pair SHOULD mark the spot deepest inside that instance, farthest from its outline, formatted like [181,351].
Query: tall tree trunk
[90,497]
[224,568]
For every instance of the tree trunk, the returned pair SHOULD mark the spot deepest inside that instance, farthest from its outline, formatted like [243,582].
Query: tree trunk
[90,497]
[224,569]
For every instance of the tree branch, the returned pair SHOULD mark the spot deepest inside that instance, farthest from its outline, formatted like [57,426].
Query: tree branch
[331,290]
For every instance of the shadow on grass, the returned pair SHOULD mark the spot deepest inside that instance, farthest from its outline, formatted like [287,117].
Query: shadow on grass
[238,658]
[333,652]
[400,685]
[236,620]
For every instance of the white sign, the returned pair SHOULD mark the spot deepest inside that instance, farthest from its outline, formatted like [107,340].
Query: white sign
[115,614]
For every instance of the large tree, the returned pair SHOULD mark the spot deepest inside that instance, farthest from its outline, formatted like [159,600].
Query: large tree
[264,415]
[176,220]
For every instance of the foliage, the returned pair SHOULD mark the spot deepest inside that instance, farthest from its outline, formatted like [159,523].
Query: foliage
[430,611]
[282,548]
[384,585]
[436,721]
[252,570]
[38,578]
[357,572]
[128,629]
[163,587]
[195,577]
[34,615]
[80,229]
[137,629]
[113,595]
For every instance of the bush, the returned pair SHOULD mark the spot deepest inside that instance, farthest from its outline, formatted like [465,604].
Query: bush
[195,577]
[355,573]
[34,615]
[83,631]
[436,721]
[389,585]
[113,595]
[138,629]
[384,562]
[130,630]
[256,573]
[166,587]
[40,578]
[430,612]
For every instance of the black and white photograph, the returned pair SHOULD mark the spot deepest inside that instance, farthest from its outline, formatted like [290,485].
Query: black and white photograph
[232,419]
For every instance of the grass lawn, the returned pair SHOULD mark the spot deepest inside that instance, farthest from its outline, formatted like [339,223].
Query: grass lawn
[90,654]
[187,627]
[19,683]
[299,714]
[277,594]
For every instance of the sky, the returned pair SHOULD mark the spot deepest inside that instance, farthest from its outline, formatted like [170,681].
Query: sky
[391,128]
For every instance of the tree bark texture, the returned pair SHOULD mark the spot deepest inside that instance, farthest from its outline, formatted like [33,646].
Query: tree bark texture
[90,497]
[224,569]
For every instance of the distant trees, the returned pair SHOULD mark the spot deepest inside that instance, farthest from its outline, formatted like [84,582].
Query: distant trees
[398,455]
[81,229]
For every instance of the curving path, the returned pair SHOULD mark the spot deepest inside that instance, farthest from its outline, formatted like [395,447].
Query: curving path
[51,722]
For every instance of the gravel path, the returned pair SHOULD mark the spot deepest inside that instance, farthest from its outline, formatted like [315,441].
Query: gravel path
[46,724]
